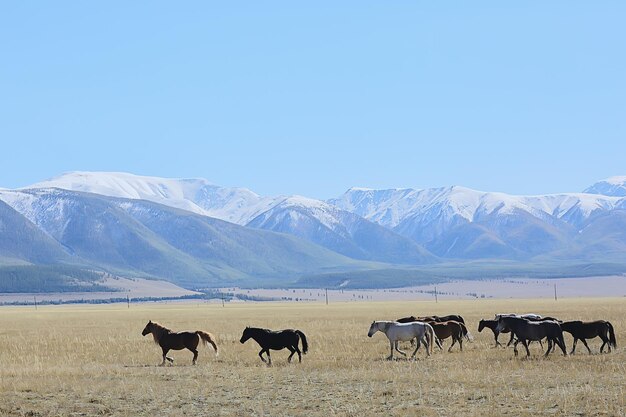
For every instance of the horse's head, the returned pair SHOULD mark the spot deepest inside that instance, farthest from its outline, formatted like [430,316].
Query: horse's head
[481,325]
[247,334]
[147,329]
[373,329]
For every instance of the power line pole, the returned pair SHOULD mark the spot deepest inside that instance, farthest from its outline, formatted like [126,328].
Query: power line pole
[128,300]
[436,301]
[326,295]
[555,299]
[35,298]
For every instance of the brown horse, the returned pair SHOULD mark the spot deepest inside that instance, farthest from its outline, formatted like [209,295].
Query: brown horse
[438,319]
[451,328]
[588,330]
[169,340]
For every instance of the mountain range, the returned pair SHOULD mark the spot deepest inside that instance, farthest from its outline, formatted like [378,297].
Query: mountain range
[195,233]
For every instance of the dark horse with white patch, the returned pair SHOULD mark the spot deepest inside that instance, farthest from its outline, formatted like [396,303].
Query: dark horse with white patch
[527,331]
[169,340]
[276,340]
[588,330]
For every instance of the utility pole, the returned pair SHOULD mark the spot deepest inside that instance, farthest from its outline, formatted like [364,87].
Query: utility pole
[35,298]
[128,300]
[326,289]
[555,299]
[436,301]
[223,300]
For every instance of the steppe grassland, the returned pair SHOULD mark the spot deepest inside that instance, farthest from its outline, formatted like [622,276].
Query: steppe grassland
[92,360]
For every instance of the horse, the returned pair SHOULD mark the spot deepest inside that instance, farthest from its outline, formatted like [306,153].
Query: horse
[588,330]
[493,324]
[446,329]
[438,319]
[396,332]
[276,340]
[169,340]
[529,317]
[526,330]
[409,319]
[441,319]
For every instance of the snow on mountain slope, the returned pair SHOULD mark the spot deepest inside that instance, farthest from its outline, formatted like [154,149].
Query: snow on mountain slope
[236,205]
[460,222]
[613,186]
[392,207]
[340,231]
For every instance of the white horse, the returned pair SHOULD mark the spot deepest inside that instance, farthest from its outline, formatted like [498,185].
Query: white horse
[529,316]
[396,332]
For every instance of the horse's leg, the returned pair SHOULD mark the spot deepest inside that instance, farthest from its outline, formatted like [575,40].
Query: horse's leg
[417,343]
[495,336]
[515,347]
[561,342]
[574,346]
[397,349]
[511,339]
[525,343]
[549,346]
[165,350]
[299,354]
[195,356]
[427,345]
[391,346]
[453,342]
[604,342]
[261,355]
[461,341]
[438,343]
[293,352]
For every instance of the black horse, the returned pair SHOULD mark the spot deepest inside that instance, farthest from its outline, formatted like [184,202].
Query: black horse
[493,324]
[529,317]
[588,330]
[526,330]
[441,319]
[276,340]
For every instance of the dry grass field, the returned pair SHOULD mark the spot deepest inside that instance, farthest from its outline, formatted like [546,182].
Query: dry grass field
[92,360]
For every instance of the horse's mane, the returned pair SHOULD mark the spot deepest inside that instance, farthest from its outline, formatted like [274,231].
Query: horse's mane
[158,331]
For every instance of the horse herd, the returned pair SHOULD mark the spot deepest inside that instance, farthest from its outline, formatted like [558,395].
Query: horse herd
[429,331]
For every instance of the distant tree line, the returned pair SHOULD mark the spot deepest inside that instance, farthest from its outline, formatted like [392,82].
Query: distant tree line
[53,278]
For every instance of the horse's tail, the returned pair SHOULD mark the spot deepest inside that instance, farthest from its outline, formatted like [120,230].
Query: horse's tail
[612,340]
[430,334]
[466,332]
[208,339]
[305,345]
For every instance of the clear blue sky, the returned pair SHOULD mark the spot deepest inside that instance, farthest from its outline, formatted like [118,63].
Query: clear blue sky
[282,97]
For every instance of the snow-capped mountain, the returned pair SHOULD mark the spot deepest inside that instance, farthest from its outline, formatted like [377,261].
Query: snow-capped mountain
[313,220]
[613,186]
[392,207]
[191,231]
[461,222]
[236,205]
[395,225]
[340,231]
[146,239]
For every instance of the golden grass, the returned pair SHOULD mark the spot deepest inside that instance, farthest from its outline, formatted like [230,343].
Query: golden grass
[92,360]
